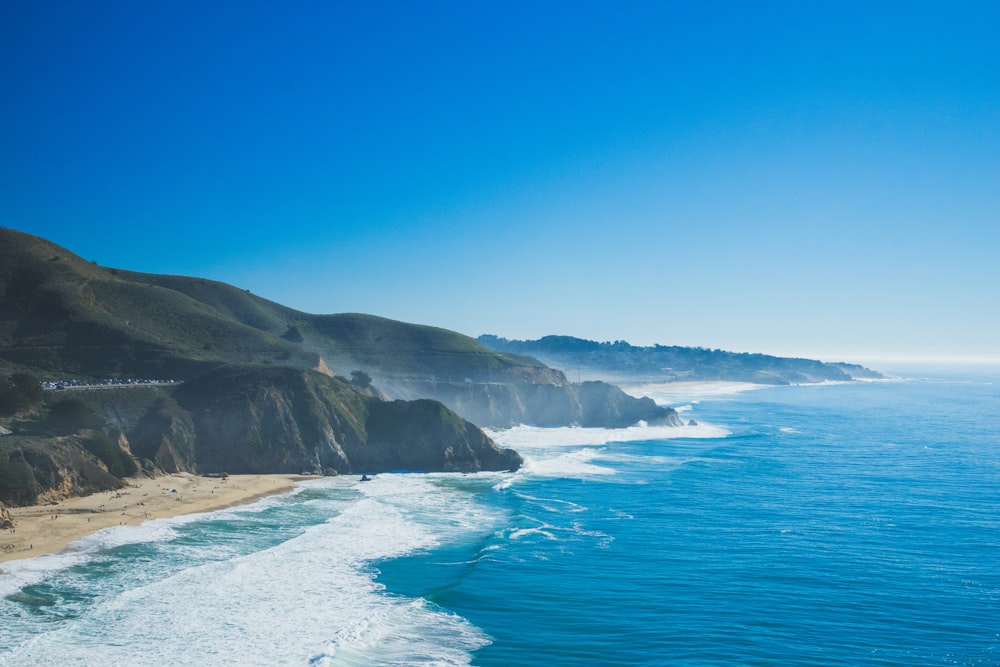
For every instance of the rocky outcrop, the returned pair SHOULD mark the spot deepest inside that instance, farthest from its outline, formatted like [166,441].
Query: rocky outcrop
[253,420]
[7,520]
[411,435]
[502,404]
[165,436]
[38,470]
[273,419]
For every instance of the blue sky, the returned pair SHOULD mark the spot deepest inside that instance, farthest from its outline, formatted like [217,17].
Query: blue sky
[817,179]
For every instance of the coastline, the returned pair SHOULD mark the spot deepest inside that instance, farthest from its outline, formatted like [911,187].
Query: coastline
[51,528]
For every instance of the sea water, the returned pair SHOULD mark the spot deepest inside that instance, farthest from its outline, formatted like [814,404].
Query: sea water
[839,524]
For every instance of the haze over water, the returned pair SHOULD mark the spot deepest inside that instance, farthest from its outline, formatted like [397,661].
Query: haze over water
[816,525]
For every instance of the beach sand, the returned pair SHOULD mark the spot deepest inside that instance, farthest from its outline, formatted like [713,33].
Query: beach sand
[47,529]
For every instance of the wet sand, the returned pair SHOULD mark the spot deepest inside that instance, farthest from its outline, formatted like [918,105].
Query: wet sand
[47,529]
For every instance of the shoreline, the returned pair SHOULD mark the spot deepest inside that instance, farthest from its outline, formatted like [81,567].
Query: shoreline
[48,529]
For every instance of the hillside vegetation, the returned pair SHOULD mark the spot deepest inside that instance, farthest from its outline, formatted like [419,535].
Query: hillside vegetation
[61,315]
[262,387]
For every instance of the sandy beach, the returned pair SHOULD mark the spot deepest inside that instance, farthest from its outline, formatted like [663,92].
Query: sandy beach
[47,529]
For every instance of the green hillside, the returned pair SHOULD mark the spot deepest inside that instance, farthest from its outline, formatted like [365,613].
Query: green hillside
[387,348]
[250,398]
[62,315]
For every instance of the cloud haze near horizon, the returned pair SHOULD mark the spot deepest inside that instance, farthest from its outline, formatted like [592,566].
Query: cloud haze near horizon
[817,180]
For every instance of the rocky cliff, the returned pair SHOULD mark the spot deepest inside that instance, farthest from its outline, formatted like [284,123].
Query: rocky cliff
[504,404]
[245,419]
[35,470]
[264,419]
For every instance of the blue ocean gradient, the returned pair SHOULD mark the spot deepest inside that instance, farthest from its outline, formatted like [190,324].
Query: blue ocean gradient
[841,524]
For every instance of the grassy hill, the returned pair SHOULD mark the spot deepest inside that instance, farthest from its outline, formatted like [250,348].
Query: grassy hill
[62,315]
[250,397]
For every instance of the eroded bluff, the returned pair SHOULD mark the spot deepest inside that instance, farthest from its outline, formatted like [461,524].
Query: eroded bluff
[505,404]
[271,420]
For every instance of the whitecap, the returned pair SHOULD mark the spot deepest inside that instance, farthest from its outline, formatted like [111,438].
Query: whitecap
[572,464]
[524,532]
[20,573]
[535,437]
[312,598]
[673,393]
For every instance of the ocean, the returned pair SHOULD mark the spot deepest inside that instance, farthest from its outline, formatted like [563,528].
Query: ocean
[838,524]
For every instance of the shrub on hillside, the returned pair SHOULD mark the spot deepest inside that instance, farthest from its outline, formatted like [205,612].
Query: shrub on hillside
[69,415]
[19,392]
[16,481]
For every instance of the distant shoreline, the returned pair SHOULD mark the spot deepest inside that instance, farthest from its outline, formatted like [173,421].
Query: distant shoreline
[51,528]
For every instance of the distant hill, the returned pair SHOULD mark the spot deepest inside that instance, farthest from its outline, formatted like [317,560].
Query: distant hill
[62,315]
[624,363]
[256,391]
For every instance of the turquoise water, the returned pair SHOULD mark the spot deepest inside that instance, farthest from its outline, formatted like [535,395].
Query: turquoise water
[822,525]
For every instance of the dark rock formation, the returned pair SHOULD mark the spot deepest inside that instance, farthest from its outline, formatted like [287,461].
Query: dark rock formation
[500,405]
[249,419]
[424,434]
[165,436]
[272,419]
[35,470]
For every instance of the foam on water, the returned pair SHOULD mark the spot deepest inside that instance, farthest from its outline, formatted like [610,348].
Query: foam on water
[310,598]
[673,393]
[20,573]
[116,536]
[572,464]
[531,438]
[546,456]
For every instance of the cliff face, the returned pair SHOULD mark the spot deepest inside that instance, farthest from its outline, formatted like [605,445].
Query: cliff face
[253,420]
[165,436]
[424,434]
[500,405]
[261,420]
[37,470]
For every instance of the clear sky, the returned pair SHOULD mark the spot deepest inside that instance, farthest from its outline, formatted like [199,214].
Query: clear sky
[807,178]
